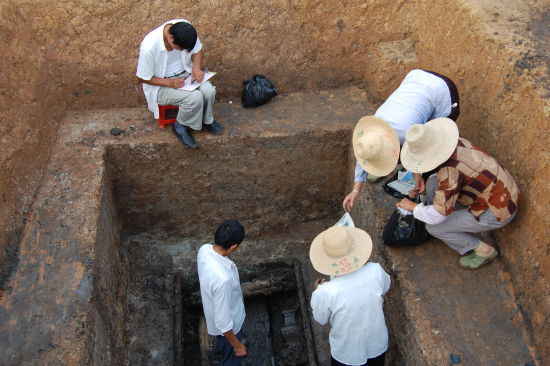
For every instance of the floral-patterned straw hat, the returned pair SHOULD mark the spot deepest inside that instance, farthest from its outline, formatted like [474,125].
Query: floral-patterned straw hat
[340,250]
[375,146]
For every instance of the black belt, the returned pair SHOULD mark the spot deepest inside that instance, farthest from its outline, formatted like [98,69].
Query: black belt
[455,104]
[176,75]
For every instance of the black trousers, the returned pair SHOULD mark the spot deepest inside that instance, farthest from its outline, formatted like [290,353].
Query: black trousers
[228,355]
[377,361]
[455,111]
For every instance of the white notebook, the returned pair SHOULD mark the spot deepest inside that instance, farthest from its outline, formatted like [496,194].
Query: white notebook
[192,86]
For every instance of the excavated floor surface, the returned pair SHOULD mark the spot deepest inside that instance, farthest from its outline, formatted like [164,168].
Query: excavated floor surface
[442,309]
[157,263]
[434,309]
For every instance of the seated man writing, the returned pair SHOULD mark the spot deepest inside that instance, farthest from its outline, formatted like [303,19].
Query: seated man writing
[167,56]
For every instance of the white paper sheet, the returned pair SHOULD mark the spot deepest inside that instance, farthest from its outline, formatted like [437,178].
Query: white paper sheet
[192,86]
[346,220]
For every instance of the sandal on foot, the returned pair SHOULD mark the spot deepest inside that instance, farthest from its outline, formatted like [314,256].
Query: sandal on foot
[474,261]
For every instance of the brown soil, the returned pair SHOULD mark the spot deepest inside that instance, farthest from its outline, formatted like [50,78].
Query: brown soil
[68,57]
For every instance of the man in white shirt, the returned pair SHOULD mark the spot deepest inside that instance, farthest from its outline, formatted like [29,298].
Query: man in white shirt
[352,300]
[167,56]
[421,97]
[222,298]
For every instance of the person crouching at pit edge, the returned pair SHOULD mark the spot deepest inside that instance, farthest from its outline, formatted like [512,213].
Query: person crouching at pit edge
[422,96]
[221,294]
[470,193]
[352,300]
[376,148]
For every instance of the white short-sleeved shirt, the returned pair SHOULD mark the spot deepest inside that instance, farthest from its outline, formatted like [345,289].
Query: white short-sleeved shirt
[420,98]
[153,57]
[221,294]
[352,304]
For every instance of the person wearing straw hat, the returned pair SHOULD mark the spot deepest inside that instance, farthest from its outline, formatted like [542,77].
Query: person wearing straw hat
[422,96]
[352,300]
[470,192]
[376,148]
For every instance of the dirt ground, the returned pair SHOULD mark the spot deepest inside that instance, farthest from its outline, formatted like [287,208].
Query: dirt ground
[63,56]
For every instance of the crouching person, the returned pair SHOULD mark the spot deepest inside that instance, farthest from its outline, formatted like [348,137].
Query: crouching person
[352,300]
[222,298]
[470,193]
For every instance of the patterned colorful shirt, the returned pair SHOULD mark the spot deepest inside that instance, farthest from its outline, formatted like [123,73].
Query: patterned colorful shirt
[476,180]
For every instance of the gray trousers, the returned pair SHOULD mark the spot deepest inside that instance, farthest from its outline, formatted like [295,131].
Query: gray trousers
[456,230]
[195,107]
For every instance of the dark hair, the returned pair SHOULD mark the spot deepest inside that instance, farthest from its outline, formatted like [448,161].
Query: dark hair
[229,233]
[184,35]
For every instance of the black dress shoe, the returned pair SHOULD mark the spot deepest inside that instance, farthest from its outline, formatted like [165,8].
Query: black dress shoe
[182,132]
[215,128]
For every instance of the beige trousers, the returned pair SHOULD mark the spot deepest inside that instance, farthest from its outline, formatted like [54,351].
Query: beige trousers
[195,107]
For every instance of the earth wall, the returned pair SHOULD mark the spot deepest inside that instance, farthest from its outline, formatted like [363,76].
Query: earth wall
[67,55]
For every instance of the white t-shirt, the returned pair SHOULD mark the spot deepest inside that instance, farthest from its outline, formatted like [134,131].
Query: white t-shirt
[221,294]
[174,65]
[152,61]
[352,304]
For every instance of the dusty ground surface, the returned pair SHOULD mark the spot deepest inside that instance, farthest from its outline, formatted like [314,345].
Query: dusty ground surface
[74,258]
[155,260]
[496,51]
[70,283]
[473,315]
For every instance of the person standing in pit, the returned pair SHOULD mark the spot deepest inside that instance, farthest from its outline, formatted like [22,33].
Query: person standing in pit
[167,56]
[352,300]
[221,294]
[422,96]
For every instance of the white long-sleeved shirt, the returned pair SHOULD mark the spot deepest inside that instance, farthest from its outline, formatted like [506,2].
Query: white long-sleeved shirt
[352,304]
[420,97]
[221,294]
[428,214]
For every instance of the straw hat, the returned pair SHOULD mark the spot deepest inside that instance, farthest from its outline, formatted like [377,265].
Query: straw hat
[340,250]
[429,145]
[375,145]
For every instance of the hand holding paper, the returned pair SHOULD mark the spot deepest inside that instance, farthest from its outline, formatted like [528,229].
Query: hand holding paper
[192,85]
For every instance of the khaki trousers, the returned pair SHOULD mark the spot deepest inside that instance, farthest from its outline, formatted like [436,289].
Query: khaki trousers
[195,107]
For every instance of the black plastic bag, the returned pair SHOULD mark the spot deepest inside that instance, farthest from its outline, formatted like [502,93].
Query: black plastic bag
[404,230]
[257,91]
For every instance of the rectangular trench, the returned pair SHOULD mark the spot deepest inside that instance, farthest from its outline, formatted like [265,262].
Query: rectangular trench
[165,324]
[160,209]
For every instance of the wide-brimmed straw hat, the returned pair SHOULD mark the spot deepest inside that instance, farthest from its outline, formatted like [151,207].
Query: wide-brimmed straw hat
[429,145]
[340,250]
[375,145]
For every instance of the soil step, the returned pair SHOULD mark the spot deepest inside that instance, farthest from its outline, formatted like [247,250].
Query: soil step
[438,313]
[64,300]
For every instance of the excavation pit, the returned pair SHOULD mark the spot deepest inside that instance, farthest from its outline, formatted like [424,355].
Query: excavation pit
[165,324]
[109,252]
[284,187]
[278,170]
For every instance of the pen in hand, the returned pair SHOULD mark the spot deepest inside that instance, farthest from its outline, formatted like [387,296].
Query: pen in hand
[195,79]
